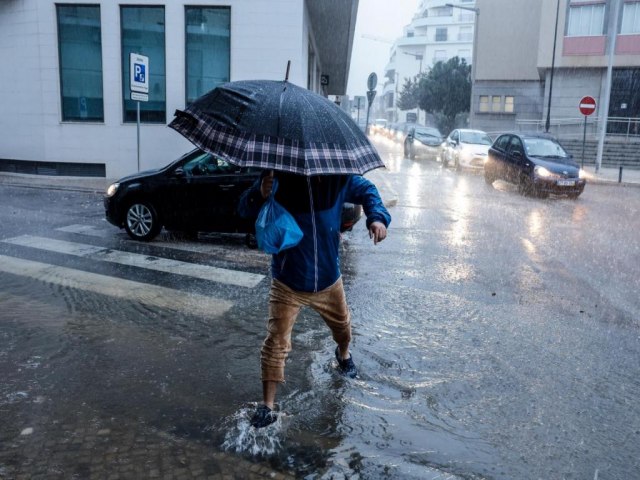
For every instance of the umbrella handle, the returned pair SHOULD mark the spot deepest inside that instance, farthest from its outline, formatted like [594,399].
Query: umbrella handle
[286,77]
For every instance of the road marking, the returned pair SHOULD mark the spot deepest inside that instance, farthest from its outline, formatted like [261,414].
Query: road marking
[151,295]
[85,230]
[206,272]
[161,241]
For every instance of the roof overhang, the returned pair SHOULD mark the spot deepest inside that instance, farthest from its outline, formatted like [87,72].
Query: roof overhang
[333,23]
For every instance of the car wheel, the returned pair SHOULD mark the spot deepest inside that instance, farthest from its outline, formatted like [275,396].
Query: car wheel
[412,153]
[488,177]
[445,160]
[525,187]
[406,151]
[141,221]
[574,196]
[456,164]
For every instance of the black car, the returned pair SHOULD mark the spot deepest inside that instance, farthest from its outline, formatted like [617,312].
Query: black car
[196,193]
[536,163]
[423,141]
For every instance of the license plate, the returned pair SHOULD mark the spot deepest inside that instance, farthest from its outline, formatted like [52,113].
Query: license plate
[566,183]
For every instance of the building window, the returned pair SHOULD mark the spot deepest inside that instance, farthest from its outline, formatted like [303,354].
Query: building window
[496,103]
[631,19]
[439,56]
[484,103]
[508,104]
[143,33]
[465,34]
[441,34]
[208,30]
[465,55]
[586,20]
[442,11]
[80,56]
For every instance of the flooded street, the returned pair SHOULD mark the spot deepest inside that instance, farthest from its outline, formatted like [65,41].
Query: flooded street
[497,337]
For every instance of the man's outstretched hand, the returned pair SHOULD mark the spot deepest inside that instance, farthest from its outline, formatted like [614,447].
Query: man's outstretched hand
[266,185]
[378,232]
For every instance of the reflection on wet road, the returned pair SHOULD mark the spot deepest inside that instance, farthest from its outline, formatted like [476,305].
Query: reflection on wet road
[497,337]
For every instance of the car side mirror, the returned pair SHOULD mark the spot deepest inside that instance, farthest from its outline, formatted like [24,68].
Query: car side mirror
[517,154]
[179,172]
[453,143]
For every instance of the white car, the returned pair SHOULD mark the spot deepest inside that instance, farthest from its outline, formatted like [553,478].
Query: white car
[466,148]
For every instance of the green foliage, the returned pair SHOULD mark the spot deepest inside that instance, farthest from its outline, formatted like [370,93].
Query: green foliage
[408,97]
[445,91]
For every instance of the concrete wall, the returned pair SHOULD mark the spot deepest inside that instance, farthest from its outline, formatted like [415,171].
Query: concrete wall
[528,104]
[264,36]
[507,40]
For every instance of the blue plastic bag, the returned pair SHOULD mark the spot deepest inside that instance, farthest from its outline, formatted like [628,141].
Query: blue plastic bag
[276,229]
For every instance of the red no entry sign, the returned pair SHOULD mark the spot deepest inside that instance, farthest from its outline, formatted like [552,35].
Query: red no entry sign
[587,105]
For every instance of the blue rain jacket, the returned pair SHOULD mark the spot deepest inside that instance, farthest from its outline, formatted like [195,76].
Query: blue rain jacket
[316,204]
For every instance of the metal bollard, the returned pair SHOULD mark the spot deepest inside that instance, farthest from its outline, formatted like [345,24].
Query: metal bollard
[620,175]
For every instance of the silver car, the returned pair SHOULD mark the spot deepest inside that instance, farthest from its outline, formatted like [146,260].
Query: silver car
[466,148]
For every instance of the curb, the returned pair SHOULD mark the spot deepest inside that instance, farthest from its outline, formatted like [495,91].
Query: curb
[72,184]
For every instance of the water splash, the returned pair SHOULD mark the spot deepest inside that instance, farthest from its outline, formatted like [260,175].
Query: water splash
[241,437]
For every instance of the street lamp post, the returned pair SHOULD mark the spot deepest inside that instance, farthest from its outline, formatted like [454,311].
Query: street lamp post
[417,56]
[553,68]
[474,57]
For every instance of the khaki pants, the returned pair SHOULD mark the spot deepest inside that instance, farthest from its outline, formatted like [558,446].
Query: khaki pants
[284,306]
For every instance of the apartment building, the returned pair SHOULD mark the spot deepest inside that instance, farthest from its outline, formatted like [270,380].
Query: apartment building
[65,83]
[437,32]
[514,62]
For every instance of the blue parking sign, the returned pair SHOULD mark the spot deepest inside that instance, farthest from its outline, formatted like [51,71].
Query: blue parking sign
[139,72]
[139,65]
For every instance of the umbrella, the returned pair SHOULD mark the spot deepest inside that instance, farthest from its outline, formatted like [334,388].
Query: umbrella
[279,126]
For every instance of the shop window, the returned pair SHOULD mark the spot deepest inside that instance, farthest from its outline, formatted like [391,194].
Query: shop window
[143,33]
[208,48]
[80,56]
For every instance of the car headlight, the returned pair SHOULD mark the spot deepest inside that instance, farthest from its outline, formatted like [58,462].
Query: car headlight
[544,173]
[583,174]
[113,188]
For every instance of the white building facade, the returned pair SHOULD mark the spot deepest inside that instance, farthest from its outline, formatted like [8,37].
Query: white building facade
[436,33]
[64,86]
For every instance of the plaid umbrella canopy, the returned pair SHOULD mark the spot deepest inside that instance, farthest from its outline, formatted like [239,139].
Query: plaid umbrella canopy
[279,126]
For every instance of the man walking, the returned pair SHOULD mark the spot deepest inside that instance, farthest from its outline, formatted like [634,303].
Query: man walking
[309,273]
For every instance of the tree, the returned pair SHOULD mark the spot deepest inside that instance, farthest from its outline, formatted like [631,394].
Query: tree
[446,91]
[408,97]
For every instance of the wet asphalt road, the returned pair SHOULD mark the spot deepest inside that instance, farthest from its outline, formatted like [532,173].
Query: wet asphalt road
[497,337]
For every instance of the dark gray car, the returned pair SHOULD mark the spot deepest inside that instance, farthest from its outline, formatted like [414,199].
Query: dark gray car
[536,163]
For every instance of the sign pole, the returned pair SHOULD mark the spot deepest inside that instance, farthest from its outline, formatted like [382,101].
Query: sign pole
[586,106]
[584,139]
[138,131]
[139,87]
[372,81]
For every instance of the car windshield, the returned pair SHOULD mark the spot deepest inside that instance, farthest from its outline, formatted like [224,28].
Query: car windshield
[479,138]
[427,132]
[544,147]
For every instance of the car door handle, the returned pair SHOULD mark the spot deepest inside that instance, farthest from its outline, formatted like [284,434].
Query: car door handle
[227,186]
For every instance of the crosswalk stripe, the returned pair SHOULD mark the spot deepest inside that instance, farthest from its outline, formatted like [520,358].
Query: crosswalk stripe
[158,242]
[84,230]
[206,272]
[151,295]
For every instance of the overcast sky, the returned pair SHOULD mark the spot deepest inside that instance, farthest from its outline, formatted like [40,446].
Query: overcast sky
[377,18]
